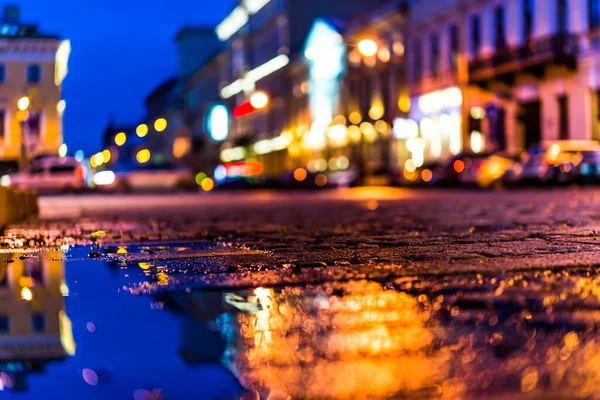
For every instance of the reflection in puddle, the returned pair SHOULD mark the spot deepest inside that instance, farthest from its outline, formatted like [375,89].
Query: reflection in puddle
[350,340]
[521,335]
[34,326]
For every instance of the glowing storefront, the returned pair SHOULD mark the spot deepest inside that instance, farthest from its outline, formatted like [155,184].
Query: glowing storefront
[438,118]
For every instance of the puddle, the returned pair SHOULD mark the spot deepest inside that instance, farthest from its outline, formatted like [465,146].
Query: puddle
[71,327]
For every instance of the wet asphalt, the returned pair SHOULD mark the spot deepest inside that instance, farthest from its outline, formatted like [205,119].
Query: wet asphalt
[360,293]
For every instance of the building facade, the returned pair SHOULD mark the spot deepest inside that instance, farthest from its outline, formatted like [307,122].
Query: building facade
[295,52]
[501,74]
[33,65]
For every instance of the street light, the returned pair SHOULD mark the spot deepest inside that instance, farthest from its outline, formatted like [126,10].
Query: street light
[142,130]
[120,139]
[22,117]
[259,100]
[23,103]
[367,47]
[160,125]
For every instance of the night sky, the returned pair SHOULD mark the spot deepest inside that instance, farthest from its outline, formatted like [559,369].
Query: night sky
[121,50]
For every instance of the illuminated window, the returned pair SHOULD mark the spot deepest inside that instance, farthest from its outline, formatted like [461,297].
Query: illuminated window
[38,323]
[475,35]
[34,74]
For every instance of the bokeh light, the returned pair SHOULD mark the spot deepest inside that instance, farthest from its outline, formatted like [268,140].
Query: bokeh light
[160,125]
[143,156]
[120,139]
[142,130]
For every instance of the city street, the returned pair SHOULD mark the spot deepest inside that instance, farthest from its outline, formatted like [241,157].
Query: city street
[358,293]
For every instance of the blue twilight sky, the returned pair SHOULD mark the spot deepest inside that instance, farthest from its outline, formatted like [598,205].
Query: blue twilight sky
[121,50]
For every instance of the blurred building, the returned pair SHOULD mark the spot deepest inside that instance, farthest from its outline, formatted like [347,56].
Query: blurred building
[166,128]
[500,75]
[205,116]
[293,54]
[32,64]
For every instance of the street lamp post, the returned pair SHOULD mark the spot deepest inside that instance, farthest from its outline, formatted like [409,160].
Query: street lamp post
[22,117]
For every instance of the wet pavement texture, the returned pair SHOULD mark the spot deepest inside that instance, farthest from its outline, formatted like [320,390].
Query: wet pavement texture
[365,293]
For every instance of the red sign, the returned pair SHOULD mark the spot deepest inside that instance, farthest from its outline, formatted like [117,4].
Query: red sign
[244,169]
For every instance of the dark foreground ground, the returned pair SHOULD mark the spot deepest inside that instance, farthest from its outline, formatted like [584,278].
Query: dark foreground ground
[364,293]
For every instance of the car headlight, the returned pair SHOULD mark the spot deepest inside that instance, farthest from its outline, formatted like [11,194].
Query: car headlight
[104,178]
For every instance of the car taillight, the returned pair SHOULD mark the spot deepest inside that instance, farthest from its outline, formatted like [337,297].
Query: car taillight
[80,173]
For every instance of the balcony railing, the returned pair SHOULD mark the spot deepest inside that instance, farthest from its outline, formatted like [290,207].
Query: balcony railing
[559,49]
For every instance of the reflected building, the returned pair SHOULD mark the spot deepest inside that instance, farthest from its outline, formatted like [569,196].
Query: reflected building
[34,327]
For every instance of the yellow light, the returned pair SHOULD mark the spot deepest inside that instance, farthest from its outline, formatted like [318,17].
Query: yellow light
[382,127]
[376,112]
[338,135]
[555,150]
[477,113]
[355,117]
[200,177]
[295,150]
[339,120]
[142,130]
[321,180]
[367,128]
[367,47]
[384,55]
[22,116]
[61,106]
[207,184]
[181,147]
[404,102]
[23,103]
[106,156]
[410,166]
[26,294]
[98,159]
[300,174]
[143,156]
[122,250]
[120,139]
[354,133]
[259,100]
[160,124]
[62,150]
[66,334]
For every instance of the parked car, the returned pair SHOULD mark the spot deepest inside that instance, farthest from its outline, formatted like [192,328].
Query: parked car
[463,168]
[49,174]
[551,162]
[149,177]
[429,174]
[588,170]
